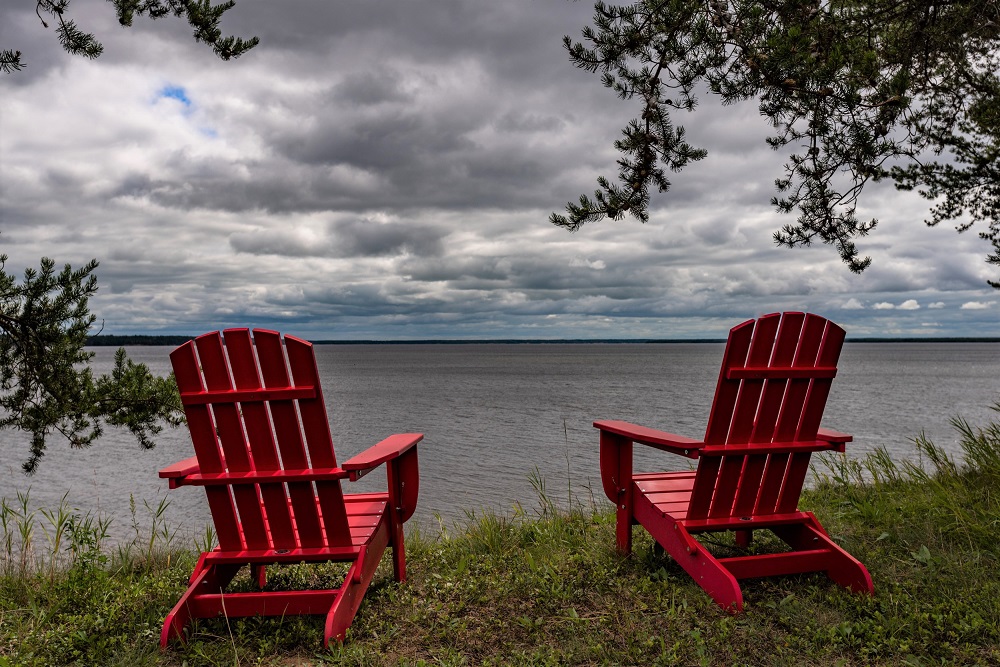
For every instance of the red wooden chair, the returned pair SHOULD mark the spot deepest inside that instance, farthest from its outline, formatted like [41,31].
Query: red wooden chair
[264,454]
[764,425]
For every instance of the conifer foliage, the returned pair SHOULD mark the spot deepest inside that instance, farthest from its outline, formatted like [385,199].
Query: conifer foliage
[201,15]
[857,91]
[46,386]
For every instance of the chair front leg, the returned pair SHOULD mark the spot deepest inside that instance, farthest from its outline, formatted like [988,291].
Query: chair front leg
[616,477]
[396,513]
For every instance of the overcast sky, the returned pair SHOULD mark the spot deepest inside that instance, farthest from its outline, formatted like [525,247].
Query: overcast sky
[384,169]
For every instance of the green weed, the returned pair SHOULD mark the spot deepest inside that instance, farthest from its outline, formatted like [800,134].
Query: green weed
[544,586]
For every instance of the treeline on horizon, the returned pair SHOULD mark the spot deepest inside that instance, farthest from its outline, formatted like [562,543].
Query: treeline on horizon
[106,340]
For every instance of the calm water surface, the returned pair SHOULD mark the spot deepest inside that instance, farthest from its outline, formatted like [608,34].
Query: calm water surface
[492,413]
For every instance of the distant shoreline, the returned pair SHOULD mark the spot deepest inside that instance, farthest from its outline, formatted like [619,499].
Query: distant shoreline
[135,341]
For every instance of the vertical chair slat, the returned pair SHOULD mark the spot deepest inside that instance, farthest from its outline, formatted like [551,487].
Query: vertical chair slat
[813,331]
[765,430]
[246,376]
[759,469]
[819,391]
[748,404]
[770,485]
[202,429]
[271,357]
[780,354]
[831,341]
[721,417]
[789,414]
[703,489]
[720,421]
[302,362]
[731,476]
[215,369]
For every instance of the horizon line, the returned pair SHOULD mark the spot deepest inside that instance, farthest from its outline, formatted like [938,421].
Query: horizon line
[103,340]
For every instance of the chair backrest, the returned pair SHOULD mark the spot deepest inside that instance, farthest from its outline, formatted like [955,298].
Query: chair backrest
[255,404]
[773,386]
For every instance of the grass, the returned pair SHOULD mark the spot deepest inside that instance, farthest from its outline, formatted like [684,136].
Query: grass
[544,586]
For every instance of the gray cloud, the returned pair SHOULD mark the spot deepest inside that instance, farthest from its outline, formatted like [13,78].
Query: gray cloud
[350,238]
[386,170]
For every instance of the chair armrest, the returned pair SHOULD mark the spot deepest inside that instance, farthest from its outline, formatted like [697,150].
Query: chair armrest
[762,448]
[391,448]
[836,438]
[178,471]
[829,435]
[668,442]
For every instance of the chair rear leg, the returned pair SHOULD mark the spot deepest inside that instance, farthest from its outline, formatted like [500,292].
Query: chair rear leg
[841,567]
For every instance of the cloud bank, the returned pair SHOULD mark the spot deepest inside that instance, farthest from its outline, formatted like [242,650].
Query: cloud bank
[386,172]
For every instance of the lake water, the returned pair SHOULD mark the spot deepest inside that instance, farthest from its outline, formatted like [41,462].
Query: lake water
[493,413]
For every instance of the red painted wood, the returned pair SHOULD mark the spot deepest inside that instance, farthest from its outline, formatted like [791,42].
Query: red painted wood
[753,483]
[829,435]
[285,418]
[763,426]
[744,523]
[406,483]
[798,350]
[261,477]
[703,489]
[765,373]
[228,422]
[770,487]
[264,454]
[750,389]
[727,391]
[742,473]
[316,427]
[795,447]
[246,374]
[668,442]
[704,568]
[349,597]
[180,469]
[771,565]
[392,447]
[272,603]
[831,339]
[237,396]
[720,421]
[201,426]
[616,479]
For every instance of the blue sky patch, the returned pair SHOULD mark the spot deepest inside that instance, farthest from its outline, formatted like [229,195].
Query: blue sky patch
[176,93]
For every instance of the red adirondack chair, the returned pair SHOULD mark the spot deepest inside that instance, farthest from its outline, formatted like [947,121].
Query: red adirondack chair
[764,425]
[264,454]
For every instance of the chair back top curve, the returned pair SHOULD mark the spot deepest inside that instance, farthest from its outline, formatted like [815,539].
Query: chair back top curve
[773,386]
[253,404]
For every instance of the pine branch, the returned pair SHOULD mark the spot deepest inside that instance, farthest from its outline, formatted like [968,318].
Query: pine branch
[861,91]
